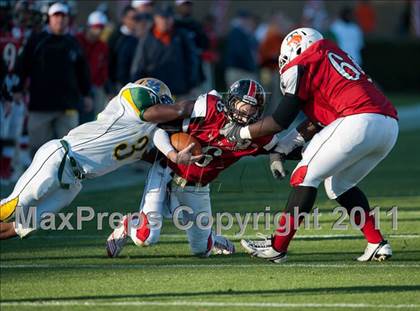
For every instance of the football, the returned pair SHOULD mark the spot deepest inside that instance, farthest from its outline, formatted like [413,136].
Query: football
[182,140]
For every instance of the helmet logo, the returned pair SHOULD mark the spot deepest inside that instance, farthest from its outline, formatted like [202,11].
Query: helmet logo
[154,85]
[295,39]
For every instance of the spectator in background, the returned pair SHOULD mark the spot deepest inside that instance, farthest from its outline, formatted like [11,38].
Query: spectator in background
[241,49]
[315,15]
[409,23]
[129,50]
[144,9]
[125,32]
[348,34]
[184,20]
[365,15]
[96,52]
[143,6]
[168,54]
[268,54]
[211,55]
[59,76]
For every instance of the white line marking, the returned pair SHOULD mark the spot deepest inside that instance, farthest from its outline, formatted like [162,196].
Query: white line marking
[209,304]
[230,236]
[222,265]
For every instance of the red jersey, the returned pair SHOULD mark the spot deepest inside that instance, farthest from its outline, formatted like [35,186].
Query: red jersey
[207,118]
[332,85]
[10,46]
[97,56]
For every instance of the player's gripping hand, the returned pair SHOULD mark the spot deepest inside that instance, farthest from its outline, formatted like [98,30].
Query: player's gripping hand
[232,131]
[184,156]
[276,166]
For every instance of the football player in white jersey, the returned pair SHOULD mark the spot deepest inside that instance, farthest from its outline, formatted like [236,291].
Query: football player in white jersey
[121,135]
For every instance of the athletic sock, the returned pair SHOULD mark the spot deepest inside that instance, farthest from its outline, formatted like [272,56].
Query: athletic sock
[301,197]
[352,198]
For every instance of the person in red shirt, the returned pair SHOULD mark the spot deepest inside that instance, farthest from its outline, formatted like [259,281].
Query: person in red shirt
[189,184]
[360,129]
[96,52]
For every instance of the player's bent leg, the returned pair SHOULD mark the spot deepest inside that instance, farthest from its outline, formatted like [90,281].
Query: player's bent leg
[199,232]
[377,248]
[143,229]
[36,181]
[274,249]
[29,220]
[146,230]
[341,186]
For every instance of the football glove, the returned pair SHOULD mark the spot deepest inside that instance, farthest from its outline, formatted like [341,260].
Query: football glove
[276,166]
[232,132]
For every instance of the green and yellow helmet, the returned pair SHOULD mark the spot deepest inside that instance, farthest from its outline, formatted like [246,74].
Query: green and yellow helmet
[157,88]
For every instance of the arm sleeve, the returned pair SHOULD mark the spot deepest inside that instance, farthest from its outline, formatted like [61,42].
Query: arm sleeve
[287,110]
[139,100]
[162,141]
[290,80]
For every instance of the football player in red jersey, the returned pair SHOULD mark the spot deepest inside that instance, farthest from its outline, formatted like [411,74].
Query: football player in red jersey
[189,184]
[12,109]
[360,129]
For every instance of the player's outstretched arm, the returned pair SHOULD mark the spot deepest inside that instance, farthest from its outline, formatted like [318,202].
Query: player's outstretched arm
[165,113]
[280,120]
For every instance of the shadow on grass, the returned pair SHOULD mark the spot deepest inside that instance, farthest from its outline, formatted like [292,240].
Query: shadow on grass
[350,290]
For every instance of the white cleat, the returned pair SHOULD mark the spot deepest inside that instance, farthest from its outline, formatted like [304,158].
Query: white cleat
[263,249]
[251,246]
[376,252]
[222,246]
[117,239]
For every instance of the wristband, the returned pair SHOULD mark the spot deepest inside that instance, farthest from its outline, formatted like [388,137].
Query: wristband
[244,133]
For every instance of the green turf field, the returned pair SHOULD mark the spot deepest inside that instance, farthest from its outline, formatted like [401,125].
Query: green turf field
[69,270]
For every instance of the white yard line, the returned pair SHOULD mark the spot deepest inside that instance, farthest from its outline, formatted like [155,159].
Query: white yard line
[215,304]
[222,265]
[230,236]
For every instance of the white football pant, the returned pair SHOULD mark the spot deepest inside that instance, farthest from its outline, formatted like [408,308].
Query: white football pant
[345,151]
[160,199]
[39,187]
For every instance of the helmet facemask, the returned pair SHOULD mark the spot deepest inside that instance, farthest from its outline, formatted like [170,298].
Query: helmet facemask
[245,102]
[243,112]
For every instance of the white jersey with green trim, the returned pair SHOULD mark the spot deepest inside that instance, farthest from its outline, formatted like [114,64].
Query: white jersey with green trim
[119,136]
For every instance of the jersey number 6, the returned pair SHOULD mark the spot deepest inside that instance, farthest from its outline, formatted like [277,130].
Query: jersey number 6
[348,71]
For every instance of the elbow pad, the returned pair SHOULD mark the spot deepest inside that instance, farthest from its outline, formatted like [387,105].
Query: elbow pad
[287,110]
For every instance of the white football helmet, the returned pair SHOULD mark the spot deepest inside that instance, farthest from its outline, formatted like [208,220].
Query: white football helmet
[296,42]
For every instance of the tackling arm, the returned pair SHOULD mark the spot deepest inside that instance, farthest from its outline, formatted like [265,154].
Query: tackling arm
[165,113]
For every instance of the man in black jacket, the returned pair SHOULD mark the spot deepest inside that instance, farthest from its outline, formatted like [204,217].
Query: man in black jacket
[59,77]
[168,54]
